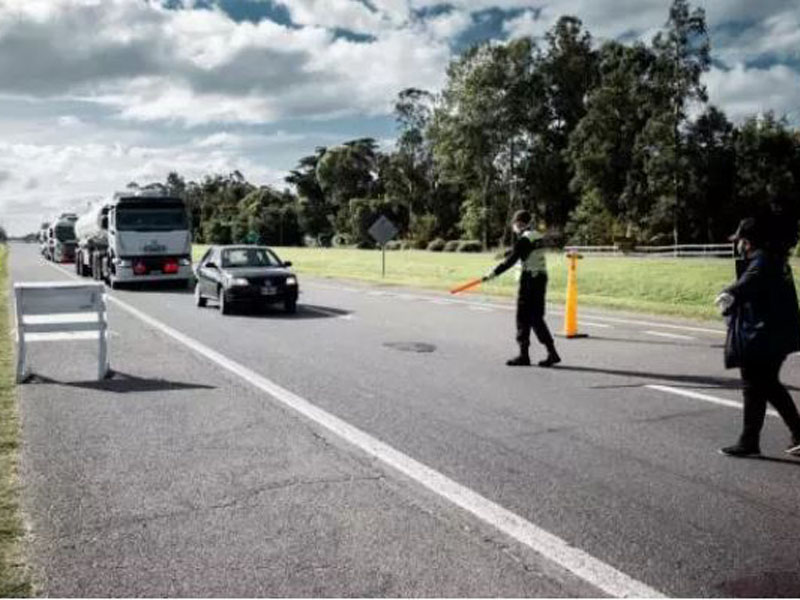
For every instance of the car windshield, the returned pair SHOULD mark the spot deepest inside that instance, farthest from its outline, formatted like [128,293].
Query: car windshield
[151,219]
[249,257]
[65,233]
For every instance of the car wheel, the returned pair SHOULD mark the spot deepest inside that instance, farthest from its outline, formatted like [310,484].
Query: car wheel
[224,304]
[198,297]
[290,306]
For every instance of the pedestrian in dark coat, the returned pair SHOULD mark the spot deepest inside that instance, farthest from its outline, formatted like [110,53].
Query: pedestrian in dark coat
[763,328]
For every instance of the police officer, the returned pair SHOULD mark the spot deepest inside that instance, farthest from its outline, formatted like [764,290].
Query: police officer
[530,252]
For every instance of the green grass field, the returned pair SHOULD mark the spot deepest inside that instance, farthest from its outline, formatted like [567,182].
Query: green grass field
[14,580]
[681,287]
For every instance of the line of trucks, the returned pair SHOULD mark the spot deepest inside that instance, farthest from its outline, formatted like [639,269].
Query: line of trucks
[137,236]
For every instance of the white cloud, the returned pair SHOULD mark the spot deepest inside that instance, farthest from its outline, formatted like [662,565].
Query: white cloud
[200,66]
[746,91]
[47,178]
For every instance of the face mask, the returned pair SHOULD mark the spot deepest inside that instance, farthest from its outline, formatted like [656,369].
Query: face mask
[741,248]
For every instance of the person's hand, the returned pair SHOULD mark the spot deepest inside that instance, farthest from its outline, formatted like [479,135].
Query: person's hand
[724,302]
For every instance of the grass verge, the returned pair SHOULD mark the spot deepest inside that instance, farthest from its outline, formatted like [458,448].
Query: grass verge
[14,575]
[678,287]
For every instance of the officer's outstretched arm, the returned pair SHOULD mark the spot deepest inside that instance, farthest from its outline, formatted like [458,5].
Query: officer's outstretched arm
[522,248]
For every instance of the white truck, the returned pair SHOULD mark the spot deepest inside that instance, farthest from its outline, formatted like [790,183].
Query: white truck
[135,237]
[60,242]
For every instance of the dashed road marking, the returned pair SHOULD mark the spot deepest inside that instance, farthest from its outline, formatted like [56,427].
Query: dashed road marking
[704,397]
[672,336]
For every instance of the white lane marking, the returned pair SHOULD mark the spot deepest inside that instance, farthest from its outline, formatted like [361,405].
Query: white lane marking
[653,324]
[704,397]
[581,323]
[557,311]
[672,336]
[327,313]
[581,564]
[481,308]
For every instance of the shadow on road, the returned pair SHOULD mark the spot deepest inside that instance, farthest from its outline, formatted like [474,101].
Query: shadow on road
[733,383]
[304,312]
[122,383]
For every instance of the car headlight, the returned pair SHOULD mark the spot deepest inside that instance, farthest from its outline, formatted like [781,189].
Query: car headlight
[291,280]
[239,281]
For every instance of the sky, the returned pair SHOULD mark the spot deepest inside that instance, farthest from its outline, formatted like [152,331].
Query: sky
[97,93]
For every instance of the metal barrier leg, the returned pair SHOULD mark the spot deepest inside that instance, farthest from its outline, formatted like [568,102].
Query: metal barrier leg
[21,374]
[102,358]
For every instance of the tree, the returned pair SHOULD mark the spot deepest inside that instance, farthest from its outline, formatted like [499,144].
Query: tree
[478,126]
[682,56]
[3,235]
[316,214]
[570,70]
[601,148]
[710,213]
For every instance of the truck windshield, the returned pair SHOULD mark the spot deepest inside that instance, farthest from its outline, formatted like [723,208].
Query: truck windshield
[248,257]
[151,219]
[65,233]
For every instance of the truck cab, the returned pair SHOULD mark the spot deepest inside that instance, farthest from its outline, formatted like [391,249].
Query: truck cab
[61,240]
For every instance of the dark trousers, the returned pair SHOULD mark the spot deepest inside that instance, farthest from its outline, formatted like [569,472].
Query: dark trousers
[530,311]
[761,385]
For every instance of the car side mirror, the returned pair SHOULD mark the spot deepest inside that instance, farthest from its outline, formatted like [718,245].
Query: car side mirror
[288,263]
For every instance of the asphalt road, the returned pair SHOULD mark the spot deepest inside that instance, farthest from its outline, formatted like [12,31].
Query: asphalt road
[180,478]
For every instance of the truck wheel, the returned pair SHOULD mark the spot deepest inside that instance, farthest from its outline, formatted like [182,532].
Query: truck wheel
[96,268]
[224,304]
[290,306]
[199,300]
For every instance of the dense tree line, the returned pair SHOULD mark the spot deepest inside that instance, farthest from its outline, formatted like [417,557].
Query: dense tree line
[601,142]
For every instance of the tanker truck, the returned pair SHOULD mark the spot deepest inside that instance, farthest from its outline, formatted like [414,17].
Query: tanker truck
[135,237]
[60,243]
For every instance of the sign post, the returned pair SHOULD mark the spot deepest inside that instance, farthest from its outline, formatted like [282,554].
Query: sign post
[382,231]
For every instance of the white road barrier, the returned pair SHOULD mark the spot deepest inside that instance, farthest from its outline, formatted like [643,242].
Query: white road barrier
[60,311]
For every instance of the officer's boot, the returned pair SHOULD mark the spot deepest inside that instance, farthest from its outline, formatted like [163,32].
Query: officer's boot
[523,360]
[552,357]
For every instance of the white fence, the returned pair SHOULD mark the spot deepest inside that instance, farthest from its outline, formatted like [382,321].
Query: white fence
[60,311]
[680,251]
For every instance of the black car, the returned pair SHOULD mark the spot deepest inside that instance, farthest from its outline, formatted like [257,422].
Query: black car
[252,275]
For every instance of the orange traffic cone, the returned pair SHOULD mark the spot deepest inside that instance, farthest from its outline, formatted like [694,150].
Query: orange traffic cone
[571,312]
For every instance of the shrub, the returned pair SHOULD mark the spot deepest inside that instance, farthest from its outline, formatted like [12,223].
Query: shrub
[469,246]
[451,246]
[436,245]
[395,245]
[340,240]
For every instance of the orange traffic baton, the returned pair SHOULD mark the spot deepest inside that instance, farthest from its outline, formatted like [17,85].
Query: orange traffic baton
[571,312]
[470,284]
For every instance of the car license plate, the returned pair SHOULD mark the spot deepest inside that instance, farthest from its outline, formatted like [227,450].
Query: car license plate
[268,290]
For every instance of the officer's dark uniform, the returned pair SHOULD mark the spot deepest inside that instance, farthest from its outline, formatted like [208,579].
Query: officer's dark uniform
[530,252]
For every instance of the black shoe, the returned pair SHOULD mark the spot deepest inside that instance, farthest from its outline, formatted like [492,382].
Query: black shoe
[741,450]
[519,361]
[552,359]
